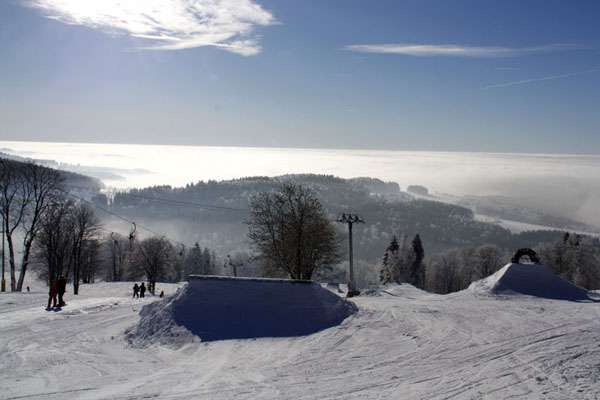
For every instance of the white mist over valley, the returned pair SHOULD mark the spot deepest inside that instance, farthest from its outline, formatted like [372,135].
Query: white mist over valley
[562,185]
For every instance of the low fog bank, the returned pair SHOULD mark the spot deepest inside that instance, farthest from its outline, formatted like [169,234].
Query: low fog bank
[563,186]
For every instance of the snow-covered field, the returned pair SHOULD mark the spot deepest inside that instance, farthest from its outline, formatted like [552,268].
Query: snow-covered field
[402,344]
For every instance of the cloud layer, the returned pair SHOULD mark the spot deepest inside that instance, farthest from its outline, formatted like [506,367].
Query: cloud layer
[453,50]
[168,24]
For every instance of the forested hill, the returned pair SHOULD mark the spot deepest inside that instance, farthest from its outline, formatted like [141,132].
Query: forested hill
[72,181]
[386,209]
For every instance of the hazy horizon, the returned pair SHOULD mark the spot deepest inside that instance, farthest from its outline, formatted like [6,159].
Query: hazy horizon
[565,185]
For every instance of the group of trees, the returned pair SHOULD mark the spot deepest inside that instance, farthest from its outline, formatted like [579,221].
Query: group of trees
[445,272]
[27,194]
[575,258]
[456,269]
[199,261]
[294,237]
[404,262]
[63,237]
[292,234]
[67,242]
[386,209]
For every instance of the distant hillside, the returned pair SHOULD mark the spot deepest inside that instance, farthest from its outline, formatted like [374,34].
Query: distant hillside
[386,210]
[76,182]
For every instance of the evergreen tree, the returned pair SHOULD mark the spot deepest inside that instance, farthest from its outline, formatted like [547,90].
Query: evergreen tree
[387,274]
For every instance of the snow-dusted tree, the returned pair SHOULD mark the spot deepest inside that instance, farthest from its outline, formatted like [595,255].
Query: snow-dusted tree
[489,260]
[198,261]
[444,274]
[575,258]
[403,262]
[389,264]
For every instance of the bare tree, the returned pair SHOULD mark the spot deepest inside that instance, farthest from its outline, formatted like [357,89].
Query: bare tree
[291,231]
[14,199]
[43,187]
[119,253]
[155,255]
[53,246]
[86,227]
[26,192]
[90,260]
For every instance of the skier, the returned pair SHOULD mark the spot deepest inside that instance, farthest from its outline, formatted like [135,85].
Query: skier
[61,288]
[162,294]
[52,295]
[136,290]
[142,290]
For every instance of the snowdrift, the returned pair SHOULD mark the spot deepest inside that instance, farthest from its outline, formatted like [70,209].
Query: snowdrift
[216,308]
[529,279]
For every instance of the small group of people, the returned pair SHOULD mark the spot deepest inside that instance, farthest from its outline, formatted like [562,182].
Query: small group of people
[58,287]
[139,291]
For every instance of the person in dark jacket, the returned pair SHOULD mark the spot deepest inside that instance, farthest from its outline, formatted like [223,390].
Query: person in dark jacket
[136,291]
[162,294]
[52,295]
[61,288]
[142,290]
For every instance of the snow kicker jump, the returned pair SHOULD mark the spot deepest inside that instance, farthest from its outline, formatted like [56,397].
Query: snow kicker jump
[217,308]
[529,279]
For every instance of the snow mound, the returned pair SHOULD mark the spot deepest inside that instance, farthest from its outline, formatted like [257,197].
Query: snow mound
[405,290]
[529,279]
[217,308]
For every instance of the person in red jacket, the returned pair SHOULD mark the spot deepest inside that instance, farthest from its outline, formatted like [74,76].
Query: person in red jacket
[52,295]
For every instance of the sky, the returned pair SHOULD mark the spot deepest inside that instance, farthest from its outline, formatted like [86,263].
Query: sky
[477,75]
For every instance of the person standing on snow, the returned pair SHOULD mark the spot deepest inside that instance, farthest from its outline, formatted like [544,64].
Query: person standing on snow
[52,295]
[142,290]
[61,288]
[136,290]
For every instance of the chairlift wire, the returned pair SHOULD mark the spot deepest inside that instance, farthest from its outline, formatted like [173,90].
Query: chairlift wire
[131,222]
[187,203]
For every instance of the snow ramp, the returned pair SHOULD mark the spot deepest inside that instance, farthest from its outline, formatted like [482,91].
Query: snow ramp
[529,279]
[212,308]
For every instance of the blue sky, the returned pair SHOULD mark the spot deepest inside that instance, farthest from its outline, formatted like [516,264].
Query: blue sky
[409,75]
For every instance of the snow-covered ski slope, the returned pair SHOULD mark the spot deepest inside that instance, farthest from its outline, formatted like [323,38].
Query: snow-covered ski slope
[401,344]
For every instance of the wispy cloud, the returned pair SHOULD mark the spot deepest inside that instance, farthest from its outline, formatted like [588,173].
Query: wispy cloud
[168,24]
[541,79]
[455,50]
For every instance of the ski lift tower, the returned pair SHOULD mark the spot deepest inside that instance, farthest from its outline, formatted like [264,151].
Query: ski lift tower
[351,219]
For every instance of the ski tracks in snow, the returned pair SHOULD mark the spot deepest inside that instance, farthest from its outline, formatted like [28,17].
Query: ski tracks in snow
[406,344]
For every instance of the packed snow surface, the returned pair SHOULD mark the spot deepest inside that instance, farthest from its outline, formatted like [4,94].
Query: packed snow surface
[401,344]
[532,280]
[216,308]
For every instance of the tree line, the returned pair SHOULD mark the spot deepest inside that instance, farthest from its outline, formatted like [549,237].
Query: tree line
[59,236]
[291,232]
[574,257]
